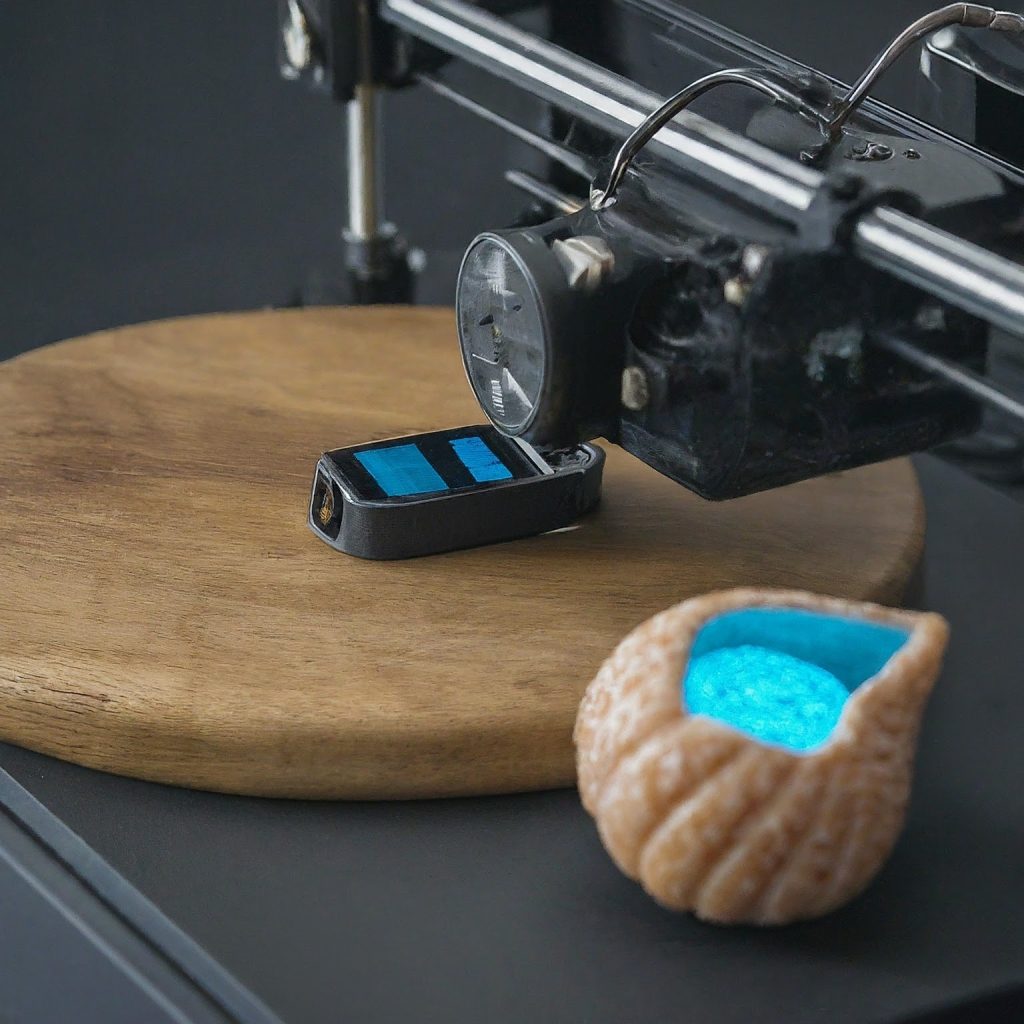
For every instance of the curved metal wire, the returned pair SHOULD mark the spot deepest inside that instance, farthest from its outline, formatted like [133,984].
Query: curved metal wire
[969,15]
[647,129]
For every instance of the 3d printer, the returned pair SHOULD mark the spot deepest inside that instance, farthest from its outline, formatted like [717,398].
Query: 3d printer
[804,284]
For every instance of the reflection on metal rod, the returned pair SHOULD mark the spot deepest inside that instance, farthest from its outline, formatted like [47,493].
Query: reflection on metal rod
[777,184]
[956,271]
[365,193]
[675,105]
[544,192]
[572,161]
[966,380]
[969,15]
[947,267]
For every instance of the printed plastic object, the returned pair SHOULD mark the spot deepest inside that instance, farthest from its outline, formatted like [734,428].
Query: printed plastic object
[748,754]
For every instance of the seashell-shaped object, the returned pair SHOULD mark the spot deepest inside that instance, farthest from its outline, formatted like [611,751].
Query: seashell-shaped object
[779,793]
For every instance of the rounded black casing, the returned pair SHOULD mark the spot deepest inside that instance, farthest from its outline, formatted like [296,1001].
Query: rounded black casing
[536,348]
[346,513]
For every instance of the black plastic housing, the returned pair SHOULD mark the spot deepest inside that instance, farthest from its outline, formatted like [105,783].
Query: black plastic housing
[749,349]
[407,527]
[788,385]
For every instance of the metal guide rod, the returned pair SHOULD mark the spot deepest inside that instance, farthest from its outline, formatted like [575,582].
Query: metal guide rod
[564,156]
[546,193]
[672,108]
[972,383]
[949,268]
[366,223]
[365,192]
[956,271]
[777,184]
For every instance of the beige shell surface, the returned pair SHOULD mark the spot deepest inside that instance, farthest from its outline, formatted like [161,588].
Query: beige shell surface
[711,820]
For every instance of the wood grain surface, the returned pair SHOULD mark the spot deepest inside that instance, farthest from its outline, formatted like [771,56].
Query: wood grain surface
[165,613]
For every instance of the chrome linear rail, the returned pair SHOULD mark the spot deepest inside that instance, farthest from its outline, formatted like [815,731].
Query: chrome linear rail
[365,188]
[948,267]
[956,271]
[550,149]
[777,184]
[546,193]
[966,380]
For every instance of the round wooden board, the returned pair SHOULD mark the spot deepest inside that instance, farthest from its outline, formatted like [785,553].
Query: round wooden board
[166,613]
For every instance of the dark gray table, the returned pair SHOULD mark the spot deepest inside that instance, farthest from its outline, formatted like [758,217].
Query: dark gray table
[508,909]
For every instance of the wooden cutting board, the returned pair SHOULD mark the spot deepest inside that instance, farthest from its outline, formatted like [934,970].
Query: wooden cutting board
[165,613]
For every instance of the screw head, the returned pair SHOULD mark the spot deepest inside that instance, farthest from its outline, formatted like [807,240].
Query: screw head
[752,260]
[298,43]
[585,259]
[636,392]
[735,291]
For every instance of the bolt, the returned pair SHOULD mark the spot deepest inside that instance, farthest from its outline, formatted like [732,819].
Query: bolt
[735,290]
[298,43]
[585,259]
[636,392]
[867,150]
[752,260]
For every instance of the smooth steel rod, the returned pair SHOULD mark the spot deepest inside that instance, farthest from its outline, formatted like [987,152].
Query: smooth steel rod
[745,168]
[966,380]
[365,188]
[546,193]
[958,272]
[566,157]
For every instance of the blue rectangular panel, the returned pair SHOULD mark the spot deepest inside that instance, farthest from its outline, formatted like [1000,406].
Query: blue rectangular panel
[482,463]
[401,470]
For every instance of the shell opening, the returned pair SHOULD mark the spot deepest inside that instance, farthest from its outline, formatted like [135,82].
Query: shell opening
[783,675]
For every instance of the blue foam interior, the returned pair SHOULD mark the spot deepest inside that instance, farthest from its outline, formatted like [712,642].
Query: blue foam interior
[783,675]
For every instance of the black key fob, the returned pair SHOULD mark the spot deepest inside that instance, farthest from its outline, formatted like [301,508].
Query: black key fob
[448,489]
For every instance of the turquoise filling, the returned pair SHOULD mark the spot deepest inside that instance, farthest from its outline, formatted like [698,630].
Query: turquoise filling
[783,675]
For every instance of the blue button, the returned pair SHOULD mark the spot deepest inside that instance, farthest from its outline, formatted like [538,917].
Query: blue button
[401,470]
[482,463]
